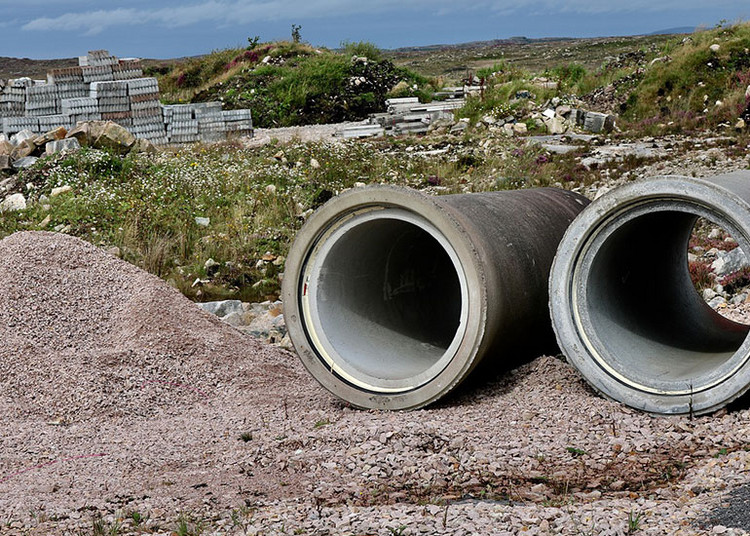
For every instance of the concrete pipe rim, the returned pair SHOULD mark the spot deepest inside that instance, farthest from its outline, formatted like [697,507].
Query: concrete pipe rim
[340,362]
[717,378]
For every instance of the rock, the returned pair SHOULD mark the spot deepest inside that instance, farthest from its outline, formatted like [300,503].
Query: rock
[598,122]
[314,163]
[222,308]
[729,263]
[740,124]
[56,134]
[489,120]
[144,146]
[26,162]
[23,149]
[459,127]
[103,135]
[13,203]
[709,294]
[715,47]
[61,190]
[202,222]
[717,302]
[18,137]
[5,163]
[747,93]
[115,137]
[211,267]
[520,128]
[58,146]
[6,148]
[555,124]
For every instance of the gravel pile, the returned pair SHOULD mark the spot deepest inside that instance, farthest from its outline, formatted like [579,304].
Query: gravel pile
[120,396]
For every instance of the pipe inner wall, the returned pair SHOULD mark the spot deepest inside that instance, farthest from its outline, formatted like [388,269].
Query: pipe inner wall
[393,298]
[624,307]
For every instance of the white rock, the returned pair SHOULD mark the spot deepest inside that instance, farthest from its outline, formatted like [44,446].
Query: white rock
[715,47]
[61,190]
[202,222]
[12,203]
[314,163]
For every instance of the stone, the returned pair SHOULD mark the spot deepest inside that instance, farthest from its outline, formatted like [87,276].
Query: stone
[747,93]
[211,267]
[740,124]
[459,127]
[222,308]
[58,146]
[13,203]
[520,128]
[202,222]
[729,263]
[5,163]
[56,134]
[23,149]
[60,190]
[598,122]
[24,134]
[115,137]
[25,162]
[314,163]
[6,147]
[715,47]
[142,145]
[103,135]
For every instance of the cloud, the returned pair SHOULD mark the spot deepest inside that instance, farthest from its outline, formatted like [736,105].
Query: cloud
[228,12]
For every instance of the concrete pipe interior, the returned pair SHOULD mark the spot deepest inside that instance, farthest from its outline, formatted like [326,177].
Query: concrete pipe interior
[385,300]
[649,327]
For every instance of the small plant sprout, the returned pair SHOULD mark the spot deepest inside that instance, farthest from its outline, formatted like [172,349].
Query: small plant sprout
[634,521]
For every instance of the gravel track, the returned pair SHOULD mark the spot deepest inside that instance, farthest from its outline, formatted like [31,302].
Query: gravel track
[119,395]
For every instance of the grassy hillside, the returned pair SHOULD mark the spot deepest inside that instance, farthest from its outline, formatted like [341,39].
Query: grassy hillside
[287,83]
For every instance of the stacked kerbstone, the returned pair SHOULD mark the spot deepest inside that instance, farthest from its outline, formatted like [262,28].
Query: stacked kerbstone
[104,88]
[238,122]
[181,124]
[42,99]
[13,97]
[145,109]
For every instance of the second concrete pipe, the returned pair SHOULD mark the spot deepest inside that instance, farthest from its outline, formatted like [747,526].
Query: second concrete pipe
[393,298]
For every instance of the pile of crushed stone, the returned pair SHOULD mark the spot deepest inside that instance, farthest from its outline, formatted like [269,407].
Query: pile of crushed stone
[120,396]
[86,334]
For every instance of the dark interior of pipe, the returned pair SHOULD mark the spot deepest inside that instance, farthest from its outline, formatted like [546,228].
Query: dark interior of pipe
[649,321]
[388,299]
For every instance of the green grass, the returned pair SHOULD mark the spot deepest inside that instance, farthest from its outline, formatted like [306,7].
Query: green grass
[255,199]
[287,83]
[699,87]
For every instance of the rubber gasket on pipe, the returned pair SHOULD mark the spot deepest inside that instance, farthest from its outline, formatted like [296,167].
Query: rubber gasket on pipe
[393,297]
[624,308]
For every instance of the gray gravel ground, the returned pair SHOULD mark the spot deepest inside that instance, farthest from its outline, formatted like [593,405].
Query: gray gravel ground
[119,396]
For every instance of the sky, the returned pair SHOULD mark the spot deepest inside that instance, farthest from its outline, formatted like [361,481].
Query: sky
[44,29]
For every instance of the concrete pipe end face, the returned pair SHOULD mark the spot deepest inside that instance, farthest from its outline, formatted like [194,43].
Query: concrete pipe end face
[623,306]
[384,298]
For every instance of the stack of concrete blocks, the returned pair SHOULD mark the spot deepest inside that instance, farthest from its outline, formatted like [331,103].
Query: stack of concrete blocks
[405,115]
[104,88]
[81,109]
[42,99]
[13,97]
[145,110]
[181,124]
[238,122]
[211,124]
[113,102]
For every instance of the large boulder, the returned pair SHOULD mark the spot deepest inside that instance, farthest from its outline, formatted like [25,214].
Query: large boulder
[103,135]
[12,203]
[6,148]
[25,148]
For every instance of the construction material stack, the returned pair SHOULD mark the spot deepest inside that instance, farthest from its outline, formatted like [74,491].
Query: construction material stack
[103,87]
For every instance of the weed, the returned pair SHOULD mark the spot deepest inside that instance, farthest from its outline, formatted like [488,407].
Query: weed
[321,423]
[634,521]
[576,452]
[246,436]
[100,527]
[397,531]
[187,526]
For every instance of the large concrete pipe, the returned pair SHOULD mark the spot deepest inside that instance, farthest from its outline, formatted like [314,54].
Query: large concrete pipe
[623,306]
[393,297]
